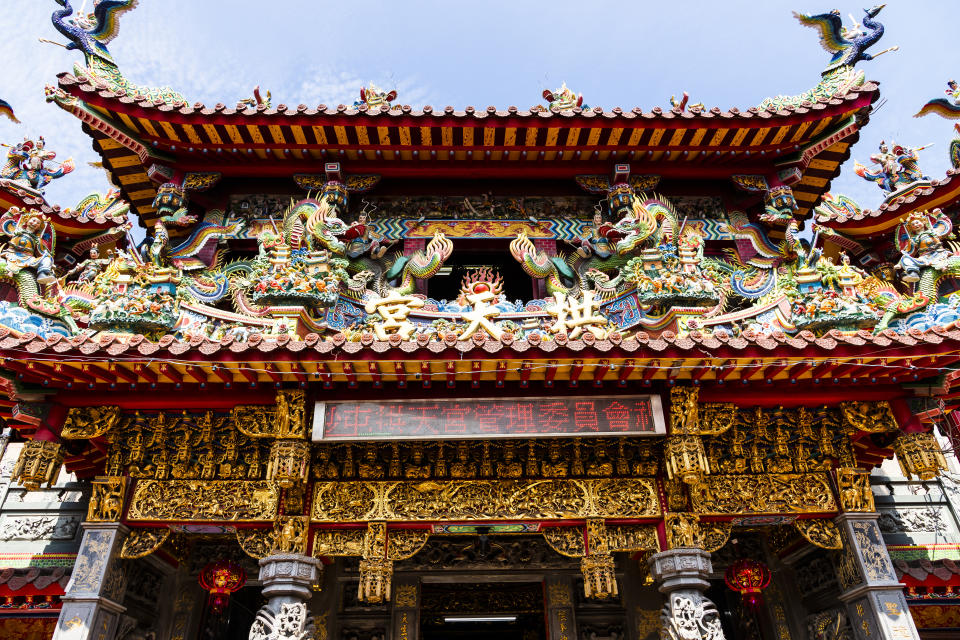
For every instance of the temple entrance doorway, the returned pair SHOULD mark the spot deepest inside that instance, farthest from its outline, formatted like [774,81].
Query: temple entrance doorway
[465,611]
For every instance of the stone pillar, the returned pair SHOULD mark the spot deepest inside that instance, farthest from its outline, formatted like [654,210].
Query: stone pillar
[875,603]
[682,574]
[286,578]
[406,609]
[563,625]
[91,605]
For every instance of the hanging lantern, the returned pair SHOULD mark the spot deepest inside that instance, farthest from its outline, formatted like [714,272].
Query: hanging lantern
[749,577]
[288,462]
[221,578]
[599,576]
[39,462]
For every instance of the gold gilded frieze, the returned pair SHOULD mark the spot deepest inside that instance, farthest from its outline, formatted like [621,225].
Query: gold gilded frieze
[767,493]
[485,500]
[203,500]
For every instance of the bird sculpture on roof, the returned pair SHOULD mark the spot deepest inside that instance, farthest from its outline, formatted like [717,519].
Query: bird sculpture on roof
[848,46]
[91,32]
[7,110]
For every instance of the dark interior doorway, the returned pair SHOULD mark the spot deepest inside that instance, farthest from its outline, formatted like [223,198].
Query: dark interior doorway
[503,610]
[495,254]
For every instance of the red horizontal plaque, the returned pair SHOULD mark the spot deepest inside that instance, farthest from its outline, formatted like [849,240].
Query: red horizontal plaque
[489,418]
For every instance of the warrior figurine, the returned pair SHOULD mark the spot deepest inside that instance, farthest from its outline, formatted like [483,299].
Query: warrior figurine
[27,248]
[28,163]
[894,170]
[920,244]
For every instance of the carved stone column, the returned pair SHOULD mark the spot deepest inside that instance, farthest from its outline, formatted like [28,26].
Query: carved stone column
[406,609]
[875,603]
[682,574]
[563,625]
[91,605]
[286,579]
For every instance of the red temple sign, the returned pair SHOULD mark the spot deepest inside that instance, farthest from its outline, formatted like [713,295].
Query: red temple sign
[489,418]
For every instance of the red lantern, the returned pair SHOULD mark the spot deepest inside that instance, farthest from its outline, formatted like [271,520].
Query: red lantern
[749,577]
[221,578]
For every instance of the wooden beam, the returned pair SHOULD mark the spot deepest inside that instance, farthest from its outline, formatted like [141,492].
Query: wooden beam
[245,371]
[823,370]
[525,370]
[550,373]
[451,374]
[625,370]
[426,374]
[575,370]
[772,370]
[167,369]
[36,372]
[501,372]
[649,370]
[375,374]
[702,368]
[196,373]
[845,368]
[123,373]
[224,373]
[599,371]
[726,368]
[476,370]
[401,373]
[798,370]
[323,369]
[271,370]
[144,371]
[298,372]
[750,370]
[350,375]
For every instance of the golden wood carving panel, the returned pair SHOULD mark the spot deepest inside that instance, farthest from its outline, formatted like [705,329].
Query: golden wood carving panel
[484,500]
[770,493]
[204,500]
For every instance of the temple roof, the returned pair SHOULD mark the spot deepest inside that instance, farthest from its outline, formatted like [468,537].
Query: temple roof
[96,359]
[879,221]
[140,140]
[68,222]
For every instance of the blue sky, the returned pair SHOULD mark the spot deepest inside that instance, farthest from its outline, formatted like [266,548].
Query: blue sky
[728,54]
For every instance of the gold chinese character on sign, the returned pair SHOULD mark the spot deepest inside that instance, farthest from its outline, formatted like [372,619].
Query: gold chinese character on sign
[394,310]
[573,317]
[481,315]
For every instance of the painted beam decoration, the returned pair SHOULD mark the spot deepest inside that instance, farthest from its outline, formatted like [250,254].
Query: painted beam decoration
[489,418]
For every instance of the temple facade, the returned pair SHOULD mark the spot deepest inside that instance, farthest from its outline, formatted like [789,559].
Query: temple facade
[381,371]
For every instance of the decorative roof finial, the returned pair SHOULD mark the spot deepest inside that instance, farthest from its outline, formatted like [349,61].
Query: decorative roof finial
[849,46]
[375,97]
[564,99]
[257,99]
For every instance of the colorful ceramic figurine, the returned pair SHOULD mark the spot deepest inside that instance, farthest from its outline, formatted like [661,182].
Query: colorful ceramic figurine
[918,239]
[375,97]
[849,46]
[31,164]
[894,169]
[564,98]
